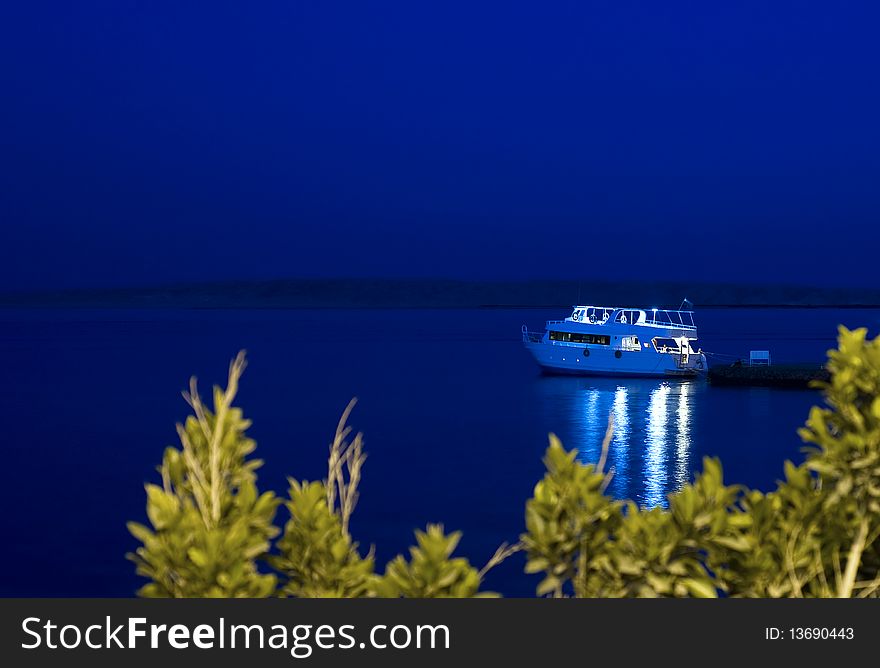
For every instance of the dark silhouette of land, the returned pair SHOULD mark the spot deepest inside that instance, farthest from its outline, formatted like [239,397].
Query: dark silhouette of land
[441,293]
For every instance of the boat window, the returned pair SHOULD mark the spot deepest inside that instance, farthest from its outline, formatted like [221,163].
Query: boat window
[630,343]
[663,345]
[579,337]
[595,315]
[631,317]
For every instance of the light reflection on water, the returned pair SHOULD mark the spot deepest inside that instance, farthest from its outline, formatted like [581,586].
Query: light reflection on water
[652,444]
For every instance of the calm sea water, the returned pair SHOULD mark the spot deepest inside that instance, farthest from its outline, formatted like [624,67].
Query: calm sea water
[454,411]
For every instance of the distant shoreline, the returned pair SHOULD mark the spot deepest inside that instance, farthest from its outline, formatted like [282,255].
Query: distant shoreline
[713,306]
[127,307]
[348,293]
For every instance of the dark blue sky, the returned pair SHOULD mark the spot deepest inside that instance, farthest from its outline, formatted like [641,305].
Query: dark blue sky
[147,142]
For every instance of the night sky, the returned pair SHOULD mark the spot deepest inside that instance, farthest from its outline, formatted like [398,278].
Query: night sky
[148,142]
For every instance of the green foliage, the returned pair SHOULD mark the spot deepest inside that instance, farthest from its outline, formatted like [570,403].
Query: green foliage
[846,436]
[209,522]
[782,550]
[668,553]
[590,546]
[568,520]
[317,557]
[816,534]
[431,572]
[210,526]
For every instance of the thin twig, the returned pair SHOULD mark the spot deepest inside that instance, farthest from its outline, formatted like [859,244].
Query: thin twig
[868,587]
[606,443]
[790,567]
[337,450]
[606,481]
[198,482]
[820,570]
[838,574]
[166,477]
[503,552]
[195,401]
[853,560]
[344,464]
[236,367]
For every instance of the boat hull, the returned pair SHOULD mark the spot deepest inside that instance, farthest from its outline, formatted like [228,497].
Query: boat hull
[571,360]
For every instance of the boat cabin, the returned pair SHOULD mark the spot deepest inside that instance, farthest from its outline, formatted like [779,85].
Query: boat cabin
[613,340]
[601,315]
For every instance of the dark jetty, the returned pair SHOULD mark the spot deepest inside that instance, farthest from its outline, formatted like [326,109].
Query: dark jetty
[778,375]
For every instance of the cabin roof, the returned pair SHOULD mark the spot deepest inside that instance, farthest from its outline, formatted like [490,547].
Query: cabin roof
[634,316]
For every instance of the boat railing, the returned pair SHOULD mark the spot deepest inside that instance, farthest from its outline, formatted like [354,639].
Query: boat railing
[670,318]
[531,337]
[596,308]
[678,318]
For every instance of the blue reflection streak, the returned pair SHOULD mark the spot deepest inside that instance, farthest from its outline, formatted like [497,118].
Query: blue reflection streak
[589,448]
[619,449]
[650,451]
[682,436]
[655,479]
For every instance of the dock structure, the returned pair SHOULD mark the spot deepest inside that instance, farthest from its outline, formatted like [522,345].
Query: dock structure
[778,375]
